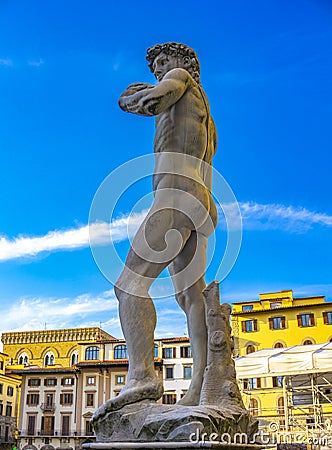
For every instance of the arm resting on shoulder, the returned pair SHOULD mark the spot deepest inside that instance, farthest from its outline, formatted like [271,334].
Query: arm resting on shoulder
[154,100]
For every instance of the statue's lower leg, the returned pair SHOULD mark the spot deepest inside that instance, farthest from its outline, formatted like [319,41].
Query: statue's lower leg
[142,382]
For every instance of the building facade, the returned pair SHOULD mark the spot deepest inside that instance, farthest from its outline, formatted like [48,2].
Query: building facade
[65,375]
[9,404]
[279,320]
[46,364]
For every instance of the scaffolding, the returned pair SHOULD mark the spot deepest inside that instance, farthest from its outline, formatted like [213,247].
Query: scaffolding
[299,405]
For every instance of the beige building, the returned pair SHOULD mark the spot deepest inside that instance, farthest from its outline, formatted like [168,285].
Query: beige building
[67,374]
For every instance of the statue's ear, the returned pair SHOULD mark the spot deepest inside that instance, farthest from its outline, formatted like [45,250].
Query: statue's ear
[186,61]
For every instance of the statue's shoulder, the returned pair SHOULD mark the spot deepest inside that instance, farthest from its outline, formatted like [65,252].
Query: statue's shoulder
[178,74]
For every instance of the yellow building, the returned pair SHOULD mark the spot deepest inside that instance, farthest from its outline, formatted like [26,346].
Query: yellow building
[9,400]
[45,364]
[279,320]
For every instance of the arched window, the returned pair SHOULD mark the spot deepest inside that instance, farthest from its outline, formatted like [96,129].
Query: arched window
[49,359]
[23,358]
[278,345]
[74,358]
[120,352]
[156,351]
[250,349]
[281,406]
[253,407]
[307,342]
[92,353]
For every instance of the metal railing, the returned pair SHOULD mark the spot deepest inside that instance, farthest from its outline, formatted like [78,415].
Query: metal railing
[48,407]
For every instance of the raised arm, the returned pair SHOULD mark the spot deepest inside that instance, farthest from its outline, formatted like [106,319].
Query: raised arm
[151,101]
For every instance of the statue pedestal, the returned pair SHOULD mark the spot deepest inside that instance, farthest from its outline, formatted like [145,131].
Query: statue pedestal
[152,425]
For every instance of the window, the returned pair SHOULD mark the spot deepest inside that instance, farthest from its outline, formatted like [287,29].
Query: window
[277,381]
[327,316]
[251,383]
[277,323]
[88,428]
[67,381]
[1,365]
[1,408]
[169,372]
[253,407]
[187,372]
[307,342]
[169,352]
[31,425]
[306,320]
[50,382]
[10,391]
[169,398]
[185,352]
[278,345]
[1,388]
[92,353]
[91,380]
[65,425]
[90,399]
[120,352]
[66,398]
[250,349]
[23,359]
[254,383]
[120,379]
[156,351]
[281,406]
[34,382]
[247,307]
[275,305]
[33,399]
[74,358]
[49,359]
[9,409]
[249,325]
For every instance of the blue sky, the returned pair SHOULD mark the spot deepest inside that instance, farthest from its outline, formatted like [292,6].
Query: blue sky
[266,68]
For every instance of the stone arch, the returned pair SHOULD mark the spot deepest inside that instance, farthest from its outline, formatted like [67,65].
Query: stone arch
[71,350]
[52,349]
[24,350]
[308,341]
[29,447]
[47,447]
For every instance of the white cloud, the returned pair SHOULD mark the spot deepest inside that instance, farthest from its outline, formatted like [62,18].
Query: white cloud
[75,238]
[84,310]
[6,62]
[255,216]
[273,216]
[36,63]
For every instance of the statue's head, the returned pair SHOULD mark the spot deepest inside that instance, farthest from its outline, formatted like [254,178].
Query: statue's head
[164,57]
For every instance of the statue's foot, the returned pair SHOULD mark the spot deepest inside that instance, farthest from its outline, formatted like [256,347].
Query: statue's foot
[134,391]
[191,398]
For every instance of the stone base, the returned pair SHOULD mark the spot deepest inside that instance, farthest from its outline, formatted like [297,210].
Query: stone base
[148,422]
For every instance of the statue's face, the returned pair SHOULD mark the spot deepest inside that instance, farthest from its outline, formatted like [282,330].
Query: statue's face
[163,64]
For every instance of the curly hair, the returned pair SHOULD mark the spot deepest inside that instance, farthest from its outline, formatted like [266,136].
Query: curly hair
[177,50]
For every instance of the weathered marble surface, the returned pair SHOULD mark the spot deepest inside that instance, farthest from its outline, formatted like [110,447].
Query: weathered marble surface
[146,421]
